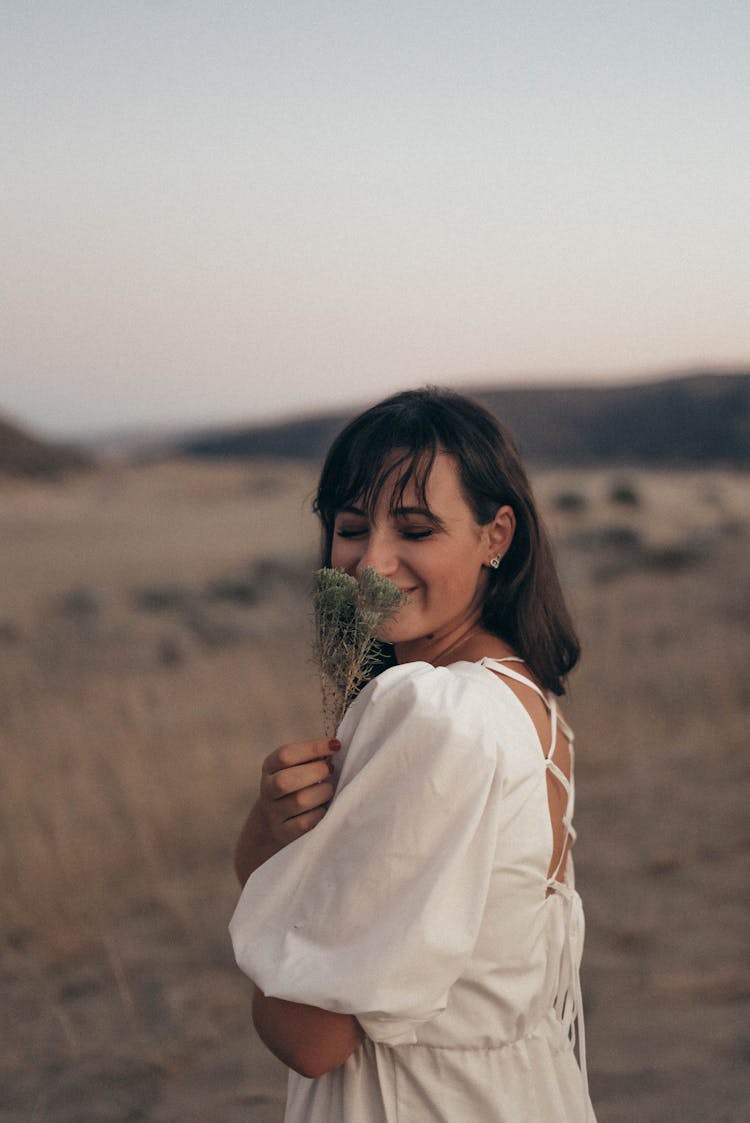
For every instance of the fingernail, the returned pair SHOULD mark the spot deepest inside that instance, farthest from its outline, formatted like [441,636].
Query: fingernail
[334,745]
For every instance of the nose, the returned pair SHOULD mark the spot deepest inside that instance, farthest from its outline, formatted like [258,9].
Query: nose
[378,554]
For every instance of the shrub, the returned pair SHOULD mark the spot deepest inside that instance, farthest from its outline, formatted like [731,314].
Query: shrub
[165,597]
[9,631]
[237,590]
[624,493]
[569,501]
[81,602]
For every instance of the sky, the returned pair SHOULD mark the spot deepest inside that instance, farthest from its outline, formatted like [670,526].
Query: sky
[235,211]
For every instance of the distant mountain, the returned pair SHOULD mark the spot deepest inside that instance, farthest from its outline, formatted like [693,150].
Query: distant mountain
[306,439]
[22,454]
[699,419]
[693,419]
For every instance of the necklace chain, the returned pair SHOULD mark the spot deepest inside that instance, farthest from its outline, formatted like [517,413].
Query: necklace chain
[461,640]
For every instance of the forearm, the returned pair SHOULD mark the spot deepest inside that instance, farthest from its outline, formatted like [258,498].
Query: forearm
[255,845]
[309,1040]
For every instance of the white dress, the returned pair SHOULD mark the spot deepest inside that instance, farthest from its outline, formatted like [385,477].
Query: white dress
[422,904]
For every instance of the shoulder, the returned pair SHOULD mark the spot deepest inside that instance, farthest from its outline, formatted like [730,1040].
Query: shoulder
[464,690]
[416,709]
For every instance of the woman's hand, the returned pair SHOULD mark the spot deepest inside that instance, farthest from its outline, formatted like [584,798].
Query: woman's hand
[295,789]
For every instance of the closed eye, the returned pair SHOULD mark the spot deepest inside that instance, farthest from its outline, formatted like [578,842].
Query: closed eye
[350,531]
[416,535]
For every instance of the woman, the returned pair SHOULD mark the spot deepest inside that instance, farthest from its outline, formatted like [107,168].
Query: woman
[416,947]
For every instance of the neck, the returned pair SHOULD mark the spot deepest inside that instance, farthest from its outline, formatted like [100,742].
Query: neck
[439,650]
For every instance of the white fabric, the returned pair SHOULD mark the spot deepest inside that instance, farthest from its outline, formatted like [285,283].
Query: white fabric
[419,904]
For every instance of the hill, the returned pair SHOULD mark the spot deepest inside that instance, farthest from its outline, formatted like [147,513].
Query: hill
[701,418]
[694,419]
[22,454]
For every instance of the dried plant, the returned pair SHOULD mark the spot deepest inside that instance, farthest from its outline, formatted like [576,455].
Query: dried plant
[349,612]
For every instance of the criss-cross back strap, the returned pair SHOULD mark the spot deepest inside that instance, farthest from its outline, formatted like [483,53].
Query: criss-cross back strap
[569,1001]
[500,666]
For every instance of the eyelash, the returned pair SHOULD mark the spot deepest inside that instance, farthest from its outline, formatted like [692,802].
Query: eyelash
[409,535]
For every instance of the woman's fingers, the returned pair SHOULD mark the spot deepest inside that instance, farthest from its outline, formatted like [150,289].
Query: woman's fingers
[299,752]
[306,799]
[296,787]
[291,816]
[277,785]
[301,824]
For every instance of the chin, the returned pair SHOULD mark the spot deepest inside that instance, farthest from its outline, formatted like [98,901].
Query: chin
[392,633]
[388,635]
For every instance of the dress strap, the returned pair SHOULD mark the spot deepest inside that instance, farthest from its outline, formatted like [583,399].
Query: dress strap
[569,999]
[499,666]
[548,699]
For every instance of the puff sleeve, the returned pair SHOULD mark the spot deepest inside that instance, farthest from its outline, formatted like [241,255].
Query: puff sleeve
[376,911]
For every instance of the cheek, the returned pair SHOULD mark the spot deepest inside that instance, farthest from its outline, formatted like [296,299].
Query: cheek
[344,553]
[336,555]
[458,581]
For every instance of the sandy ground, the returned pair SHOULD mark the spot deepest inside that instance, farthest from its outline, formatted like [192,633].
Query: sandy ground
[148,665]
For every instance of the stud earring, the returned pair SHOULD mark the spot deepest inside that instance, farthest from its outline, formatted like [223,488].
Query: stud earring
[495,562]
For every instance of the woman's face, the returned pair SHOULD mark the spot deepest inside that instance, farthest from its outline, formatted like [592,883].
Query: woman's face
[438,555]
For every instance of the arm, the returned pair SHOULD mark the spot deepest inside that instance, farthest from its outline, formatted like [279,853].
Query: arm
[309,1040]
[377,912]
[295,789]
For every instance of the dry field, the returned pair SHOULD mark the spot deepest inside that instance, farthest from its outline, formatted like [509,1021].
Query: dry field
[154,647]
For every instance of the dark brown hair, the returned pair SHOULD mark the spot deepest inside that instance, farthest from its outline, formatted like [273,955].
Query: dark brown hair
[524,604]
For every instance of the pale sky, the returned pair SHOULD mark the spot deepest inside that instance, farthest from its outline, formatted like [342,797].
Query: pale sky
[225,211]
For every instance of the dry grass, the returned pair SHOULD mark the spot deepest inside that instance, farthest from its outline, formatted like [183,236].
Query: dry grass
[131,741]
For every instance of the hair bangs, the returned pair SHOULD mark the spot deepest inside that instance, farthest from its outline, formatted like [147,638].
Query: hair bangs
[377,462]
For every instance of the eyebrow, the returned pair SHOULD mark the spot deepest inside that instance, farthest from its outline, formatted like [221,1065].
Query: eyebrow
[420,512]
[398,512]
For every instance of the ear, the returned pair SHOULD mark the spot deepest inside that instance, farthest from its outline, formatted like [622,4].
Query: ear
[500,532]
